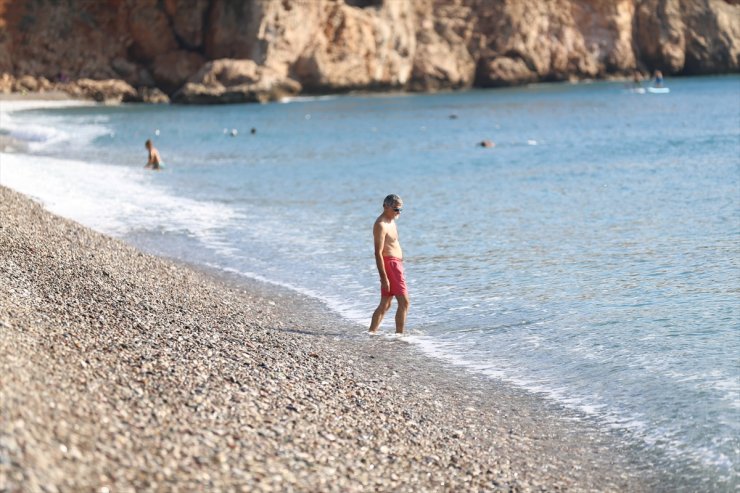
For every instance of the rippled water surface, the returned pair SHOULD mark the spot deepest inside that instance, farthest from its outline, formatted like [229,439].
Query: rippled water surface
[591,255]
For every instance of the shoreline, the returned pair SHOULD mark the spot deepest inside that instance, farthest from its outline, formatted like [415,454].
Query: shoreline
[124,370]
[61,95]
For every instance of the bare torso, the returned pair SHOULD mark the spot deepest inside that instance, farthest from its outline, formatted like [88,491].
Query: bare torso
[391,245]
[154,157]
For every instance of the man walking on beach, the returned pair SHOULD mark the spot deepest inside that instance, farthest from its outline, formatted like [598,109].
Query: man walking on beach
[389,259]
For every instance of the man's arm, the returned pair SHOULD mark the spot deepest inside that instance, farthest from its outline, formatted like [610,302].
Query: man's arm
[379,240]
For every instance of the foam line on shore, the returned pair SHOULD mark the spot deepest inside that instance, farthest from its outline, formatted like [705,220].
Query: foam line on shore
[339,307]
[38,135]
[103,196]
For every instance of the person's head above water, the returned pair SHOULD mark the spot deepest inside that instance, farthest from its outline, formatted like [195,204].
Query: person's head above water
[148,143]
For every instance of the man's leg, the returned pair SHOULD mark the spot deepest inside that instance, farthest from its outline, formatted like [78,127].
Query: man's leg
[403,308]
[385,304]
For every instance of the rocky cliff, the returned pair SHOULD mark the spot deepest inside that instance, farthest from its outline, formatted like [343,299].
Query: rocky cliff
[273,47]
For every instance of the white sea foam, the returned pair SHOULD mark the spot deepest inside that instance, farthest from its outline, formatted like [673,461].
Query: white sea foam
[113,199]
[46,130]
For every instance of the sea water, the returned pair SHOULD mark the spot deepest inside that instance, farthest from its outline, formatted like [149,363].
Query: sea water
[591,256]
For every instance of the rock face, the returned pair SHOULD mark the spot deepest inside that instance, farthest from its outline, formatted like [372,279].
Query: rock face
[557,41]
[235,81]
[692,37]
[111,90]
[343,45]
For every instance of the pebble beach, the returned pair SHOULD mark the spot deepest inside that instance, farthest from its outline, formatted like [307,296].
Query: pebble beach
[121,371]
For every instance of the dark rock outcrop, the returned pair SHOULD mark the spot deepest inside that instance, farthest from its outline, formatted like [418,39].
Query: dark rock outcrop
[105,91]
[235,81]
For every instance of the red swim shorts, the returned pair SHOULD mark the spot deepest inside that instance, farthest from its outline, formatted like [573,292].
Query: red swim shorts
[394,271]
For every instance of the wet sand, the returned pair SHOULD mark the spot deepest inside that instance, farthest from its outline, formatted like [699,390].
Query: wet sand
[122,371]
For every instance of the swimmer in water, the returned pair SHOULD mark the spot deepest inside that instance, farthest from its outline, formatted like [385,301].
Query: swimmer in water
[155,161]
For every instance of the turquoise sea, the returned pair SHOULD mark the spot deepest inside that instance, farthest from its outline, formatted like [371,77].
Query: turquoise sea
[591,257]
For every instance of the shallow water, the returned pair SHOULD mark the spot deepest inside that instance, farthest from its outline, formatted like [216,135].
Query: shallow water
[590,256]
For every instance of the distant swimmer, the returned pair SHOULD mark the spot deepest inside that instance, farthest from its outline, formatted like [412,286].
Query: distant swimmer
[389,261]
[253,131]
[658,78]
[154,161]
[486,143]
